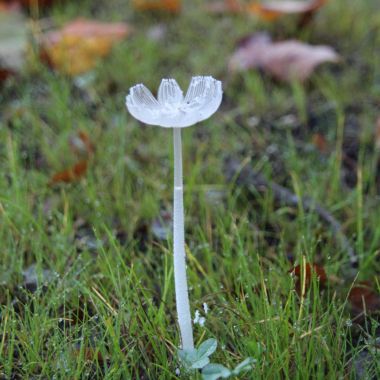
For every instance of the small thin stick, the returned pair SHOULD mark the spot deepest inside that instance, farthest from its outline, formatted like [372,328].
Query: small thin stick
[246,176]
[180,279]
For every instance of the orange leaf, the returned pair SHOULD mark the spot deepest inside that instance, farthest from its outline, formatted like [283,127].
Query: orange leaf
[286,60]
[6,6]
[173,6]
[72,174]
[76,47]
[364,299]
[320,142]
[310,270]
[234,5]
[265,14]
[272,10]
[81,144]
[267,10]
[86,141]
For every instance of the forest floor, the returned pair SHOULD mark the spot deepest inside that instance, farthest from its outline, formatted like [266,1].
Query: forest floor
[285,175]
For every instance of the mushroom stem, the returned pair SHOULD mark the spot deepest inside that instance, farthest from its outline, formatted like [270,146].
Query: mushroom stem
[180,279]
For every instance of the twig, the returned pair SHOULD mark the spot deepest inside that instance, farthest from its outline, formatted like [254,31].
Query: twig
[245,176]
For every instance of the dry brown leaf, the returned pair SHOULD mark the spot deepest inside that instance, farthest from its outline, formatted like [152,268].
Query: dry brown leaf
[76,47]
[267,10]
[25,3]
[307,272]
[6,6]
[36,3]
[83,147]
[72,174]
[5,74]
[320,142]
[272,10]
[285,60]
[81,144]
[173,6]
[364,299]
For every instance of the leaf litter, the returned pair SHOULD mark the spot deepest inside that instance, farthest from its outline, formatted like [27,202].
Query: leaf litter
[268,10]
[171,6]
[76,47]
[82,147]
[272,10]
[285,60]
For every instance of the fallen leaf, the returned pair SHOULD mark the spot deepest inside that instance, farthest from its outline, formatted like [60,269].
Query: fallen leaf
[364,299]
[272,10]
[76,47]
[71,174]
[5,73]
[267,10]
[81,144]
[6,6]
[286,60]
[173,6]
[25,3]
[13,42]
[36,3]
[319,141]
[310,271]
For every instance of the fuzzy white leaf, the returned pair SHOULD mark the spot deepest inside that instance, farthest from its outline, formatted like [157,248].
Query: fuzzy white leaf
[188,357]
[215,371]
[200,362]
[207,348]
[245,365]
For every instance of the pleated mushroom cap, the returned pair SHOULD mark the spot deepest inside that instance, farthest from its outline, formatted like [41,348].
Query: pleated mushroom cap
[171,109]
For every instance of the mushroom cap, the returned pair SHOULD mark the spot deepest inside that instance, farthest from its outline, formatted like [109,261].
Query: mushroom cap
[171,109]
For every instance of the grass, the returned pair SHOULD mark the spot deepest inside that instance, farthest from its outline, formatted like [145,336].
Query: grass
[103,305]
